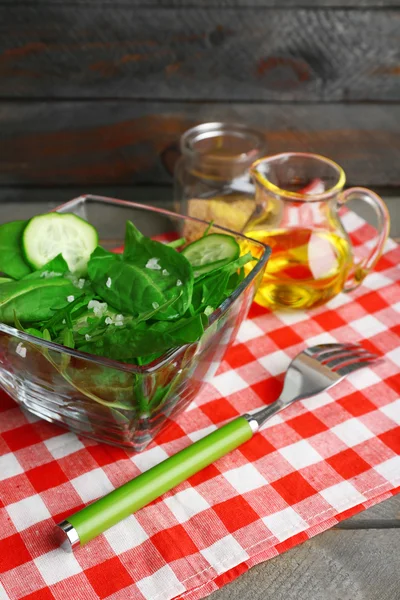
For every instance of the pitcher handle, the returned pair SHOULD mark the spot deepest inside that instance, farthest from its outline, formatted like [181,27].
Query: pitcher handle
[365,265]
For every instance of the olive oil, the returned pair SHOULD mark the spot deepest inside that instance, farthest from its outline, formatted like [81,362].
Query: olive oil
[307,267]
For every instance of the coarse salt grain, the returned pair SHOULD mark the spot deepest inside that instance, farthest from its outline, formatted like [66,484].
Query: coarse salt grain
[81,283]
[87,337]
[155,305]
[165,272]
[99,308]
[152,264]
[21,350]
[117,320]
[108,282]
[70,298]
[178,282]
[50,274]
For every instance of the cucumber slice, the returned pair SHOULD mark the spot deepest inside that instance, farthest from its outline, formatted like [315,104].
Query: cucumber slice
[51,234]
[199,271]
[211,252]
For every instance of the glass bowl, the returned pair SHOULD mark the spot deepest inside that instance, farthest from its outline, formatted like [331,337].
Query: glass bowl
[112,402]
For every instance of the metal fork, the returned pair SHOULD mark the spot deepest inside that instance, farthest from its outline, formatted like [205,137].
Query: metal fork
[312,371]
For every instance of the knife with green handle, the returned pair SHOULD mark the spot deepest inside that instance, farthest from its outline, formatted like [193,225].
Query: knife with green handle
[91,521]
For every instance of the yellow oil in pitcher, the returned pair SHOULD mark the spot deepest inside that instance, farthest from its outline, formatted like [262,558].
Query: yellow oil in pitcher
[307,267]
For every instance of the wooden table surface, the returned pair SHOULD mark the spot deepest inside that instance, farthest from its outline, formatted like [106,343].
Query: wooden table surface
[359,559]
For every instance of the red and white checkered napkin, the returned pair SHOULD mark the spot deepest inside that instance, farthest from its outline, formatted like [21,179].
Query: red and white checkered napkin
[316,463]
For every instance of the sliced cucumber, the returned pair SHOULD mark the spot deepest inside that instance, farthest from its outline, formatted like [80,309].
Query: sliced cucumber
[211,252]
[198,271]
[51,234]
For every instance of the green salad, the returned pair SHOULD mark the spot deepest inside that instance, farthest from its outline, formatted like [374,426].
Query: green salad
[58,284]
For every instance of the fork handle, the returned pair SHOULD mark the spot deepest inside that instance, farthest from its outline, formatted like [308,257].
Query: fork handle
[92,520]
[262,415]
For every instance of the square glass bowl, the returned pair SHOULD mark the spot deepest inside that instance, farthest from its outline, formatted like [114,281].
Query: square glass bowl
[121,404]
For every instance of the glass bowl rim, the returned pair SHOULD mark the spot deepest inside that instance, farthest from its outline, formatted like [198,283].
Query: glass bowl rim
[173,353]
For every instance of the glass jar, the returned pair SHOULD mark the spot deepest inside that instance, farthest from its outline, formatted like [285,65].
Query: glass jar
[212,180]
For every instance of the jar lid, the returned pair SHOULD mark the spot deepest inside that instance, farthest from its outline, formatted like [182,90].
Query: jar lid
[219,145]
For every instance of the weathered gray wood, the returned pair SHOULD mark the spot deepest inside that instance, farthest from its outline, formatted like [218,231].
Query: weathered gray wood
[385,514]
[156,4]
[17,203]
[189,53]
[122,142]
[370,524]
[336,565]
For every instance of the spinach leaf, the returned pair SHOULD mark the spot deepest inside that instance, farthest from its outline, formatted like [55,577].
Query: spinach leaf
[33,299]
[231,267]
[212,288]
[169,270]
[68,341]
[234,281]
[210,291]
[68,314]
[33,331]
[152,314]
[133,239]
[149,274]
[131,341]
[153,304]
[56,267]
[30,330]
[239,263]
[61,362]
[144,360]
[12,262]
[177,243]
[208,228]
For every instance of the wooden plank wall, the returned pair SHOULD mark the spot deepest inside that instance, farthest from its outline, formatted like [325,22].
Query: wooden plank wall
[97,93]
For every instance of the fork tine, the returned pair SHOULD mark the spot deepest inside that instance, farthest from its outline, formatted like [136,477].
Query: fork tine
[307,376]
[326,356]
[316,350]
[321,349]
[329,358]
[350,367]
[342,358]
[342,361]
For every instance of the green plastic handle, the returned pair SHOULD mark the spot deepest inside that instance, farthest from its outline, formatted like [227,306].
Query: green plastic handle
[127,499]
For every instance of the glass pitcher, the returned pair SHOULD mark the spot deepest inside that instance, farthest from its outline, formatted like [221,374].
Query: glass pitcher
[297,200]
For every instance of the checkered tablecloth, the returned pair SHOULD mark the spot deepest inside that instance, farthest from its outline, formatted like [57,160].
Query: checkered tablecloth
[318,462]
